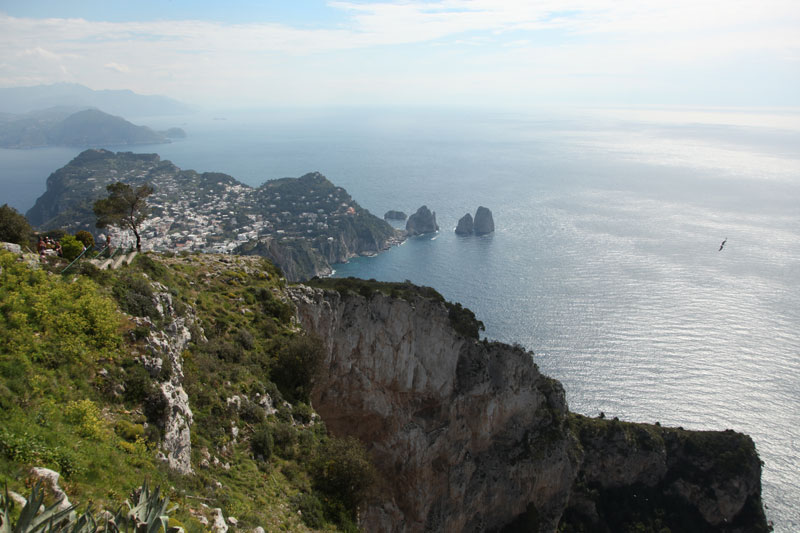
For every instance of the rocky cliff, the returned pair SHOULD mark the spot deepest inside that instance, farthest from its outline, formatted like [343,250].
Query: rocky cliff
[470,436]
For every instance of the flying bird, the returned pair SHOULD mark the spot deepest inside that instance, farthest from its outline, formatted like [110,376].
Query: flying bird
[721,246]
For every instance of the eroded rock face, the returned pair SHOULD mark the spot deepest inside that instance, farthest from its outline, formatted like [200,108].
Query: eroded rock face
[165,346]
[469,436]
[484,222]
[465,226]
[421,222]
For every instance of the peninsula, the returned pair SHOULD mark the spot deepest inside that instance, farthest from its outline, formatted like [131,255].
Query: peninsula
[302,224]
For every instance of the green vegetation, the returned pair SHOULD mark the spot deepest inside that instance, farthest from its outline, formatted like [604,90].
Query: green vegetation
[76,398]
[149,515]
[14,227]
[462,319]
[86,238]
[71,247]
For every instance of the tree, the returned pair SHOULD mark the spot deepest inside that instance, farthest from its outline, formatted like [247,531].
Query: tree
[85,237]
[125,208]
[14,227]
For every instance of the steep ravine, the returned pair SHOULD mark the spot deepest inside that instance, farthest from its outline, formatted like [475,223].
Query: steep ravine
[468,435]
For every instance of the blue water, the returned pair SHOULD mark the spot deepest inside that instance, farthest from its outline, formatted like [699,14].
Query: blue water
[605,261]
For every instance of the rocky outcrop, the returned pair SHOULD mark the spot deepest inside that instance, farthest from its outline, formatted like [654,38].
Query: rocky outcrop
[395,215]
[464,226]
[49,478]
[484,223]
[421,222]
[470,436]
[297,260]
[700,480]
[165,347]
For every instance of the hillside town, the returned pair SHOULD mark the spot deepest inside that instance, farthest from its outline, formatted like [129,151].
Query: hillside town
[303,224]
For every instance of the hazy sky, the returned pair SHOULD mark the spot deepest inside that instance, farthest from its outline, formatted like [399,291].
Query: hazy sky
[473,52]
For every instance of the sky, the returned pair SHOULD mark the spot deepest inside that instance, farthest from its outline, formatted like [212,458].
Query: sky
[509,53]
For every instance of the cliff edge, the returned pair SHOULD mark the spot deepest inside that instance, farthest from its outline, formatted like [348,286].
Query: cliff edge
[468,435]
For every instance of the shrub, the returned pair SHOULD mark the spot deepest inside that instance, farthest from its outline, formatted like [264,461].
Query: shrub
[128,431]
[85,238]
[343,472]
[49,320]
[261,442]
[135,297]
[284,437]
[70,247]
[310,510]
[296,366]
[463,320]
[86,416]
[245,339]
[14,227]
[252,413]
[303,413]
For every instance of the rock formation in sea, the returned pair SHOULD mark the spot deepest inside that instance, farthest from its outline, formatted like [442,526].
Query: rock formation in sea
[468,435]
[421,222]
[484,223]
[395,215]
[465,226]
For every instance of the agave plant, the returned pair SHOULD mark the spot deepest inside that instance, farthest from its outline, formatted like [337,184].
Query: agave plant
[149,515]
[33,518]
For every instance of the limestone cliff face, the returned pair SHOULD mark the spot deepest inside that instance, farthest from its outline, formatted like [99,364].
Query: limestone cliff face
[470,436]
[467,435]
[165,347]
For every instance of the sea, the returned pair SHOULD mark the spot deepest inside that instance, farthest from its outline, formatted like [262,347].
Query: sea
[607,260]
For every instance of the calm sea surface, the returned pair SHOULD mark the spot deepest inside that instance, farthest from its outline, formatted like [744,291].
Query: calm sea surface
[605,261]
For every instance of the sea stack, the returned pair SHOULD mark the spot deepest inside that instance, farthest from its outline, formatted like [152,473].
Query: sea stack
[484,223]
[464,226]
[421,222]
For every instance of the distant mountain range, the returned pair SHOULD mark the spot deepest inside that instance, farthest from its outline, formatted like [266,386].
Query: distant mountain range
[116,102]
[64,126]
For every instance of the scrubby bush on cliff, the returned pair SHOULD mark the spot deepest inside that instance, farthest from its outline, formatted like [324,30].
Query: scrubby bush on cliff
[343,472]
[463,320]
[296,365]
[261,442]
[135,296]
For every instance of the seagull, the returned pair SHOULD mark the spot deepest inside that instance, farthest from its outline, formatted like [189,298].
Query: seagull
[721,246]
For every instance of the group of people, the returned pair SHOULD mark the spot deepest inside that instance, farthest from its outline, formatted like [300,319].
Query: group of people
[49,246]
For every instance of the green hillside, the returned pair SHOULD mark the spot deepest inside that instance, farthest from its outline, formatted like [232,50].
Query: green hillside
[82,386]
